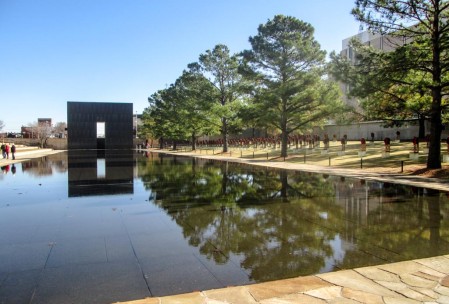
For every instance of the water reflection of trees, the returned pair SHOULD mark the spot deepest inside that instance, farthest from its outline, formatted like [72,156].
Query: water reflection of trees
[255,214]
[280,224]
[46,165]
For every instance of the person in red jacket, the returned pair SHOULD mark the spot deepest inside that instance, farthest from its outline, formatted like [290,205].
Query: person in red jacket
[7,151]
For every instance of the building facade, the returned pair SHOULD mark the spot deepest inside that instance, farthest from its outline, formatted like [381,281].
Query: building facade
[377,41]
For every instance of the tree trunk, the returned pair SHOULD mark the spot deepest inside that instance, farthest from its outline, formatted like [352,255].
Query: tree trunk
[193,141]
[284,142]
[284,135]
[434,157]
[161,143]
[422,126]
[175,145]
[225,135]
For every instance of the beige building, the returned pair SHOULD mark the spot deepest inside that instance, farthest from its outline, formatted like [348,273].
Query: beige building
[377,41]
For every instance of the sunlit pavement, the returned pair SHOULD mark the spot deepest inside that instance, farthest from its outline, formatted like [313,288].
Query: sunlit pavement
[25,153]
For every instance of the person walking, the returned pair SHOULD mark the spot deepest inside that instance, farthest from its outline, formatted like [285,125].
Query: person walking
[7,151]
[3,147]
[13,151]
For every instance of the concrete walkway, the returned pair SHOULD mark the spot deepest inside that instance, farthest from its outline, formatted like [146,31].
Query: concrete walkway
[26,153]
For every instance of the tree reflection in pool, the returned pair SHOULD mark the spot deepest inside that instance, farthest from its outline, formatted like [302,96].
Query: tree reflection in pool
[154,224]
[286,223]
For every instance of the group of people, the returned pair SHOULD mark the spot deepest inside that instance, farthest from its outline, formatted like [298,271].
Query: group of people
[6,149]
[5,169]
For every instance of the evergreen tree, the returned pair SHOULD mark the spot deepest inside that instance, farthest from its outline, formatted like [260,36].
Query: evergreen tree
[286,65]
[414,75]
[221,69]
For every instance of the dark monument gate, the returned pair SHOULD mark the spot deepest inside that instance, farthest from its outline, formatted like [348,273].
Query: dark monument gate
[99,125]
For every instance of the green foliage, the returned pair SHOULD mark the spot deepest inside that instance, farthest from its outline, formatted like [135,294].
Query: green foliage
[162,116]
[221,69]
[183,110]
[411,79]
[399,95]
[194,97]
[286,66]
[264,216]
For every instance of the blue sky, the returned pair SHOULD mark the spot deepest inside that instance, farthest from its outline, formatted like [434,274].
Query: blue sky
[54,51]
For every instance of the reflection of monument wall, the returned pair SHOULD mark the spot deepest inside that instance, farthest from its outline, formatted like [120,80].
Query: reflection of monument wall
[100,172]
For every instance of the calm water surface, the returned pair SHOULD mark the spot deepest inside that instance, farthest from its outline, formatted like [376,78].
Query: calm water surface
[90,227]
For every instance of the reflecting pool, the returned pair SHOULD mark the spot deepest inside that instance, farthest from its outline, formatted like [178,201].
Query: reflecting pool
[102,227]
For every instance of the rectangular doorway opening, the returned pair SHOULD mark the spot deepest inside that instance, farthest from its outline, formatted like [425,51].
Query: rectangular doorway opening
[101,135]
